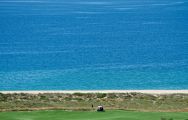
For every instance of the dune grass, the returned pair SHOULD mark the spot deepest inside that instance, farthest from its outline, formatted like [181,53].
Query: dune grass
[80,101]
[92,115]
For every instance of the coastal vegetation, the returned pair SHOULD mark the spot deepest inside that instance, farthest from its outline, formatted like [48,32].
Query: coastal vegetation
[85,101]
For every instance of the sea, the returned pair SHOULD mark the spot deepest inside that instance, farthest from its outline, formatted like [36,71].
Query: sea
[93,45]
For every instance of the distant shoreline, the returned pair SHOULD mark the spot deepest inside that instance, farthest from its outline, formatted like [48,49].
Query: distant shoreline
[99,91]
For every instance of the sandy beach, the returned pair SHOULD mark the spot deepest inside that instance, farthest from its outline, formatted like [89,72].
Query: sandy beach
[100,91]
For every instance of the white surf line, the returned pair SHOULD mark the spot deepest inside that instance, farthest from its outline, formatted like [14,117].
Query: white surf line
[100,91]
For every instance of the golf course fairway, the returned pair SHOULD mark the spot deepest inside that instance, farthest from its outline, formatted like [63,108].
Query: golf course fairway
[88,115]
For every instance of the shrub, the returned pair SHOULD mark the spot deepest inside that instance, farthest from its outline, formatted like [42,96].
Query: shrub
[78,94]
[101,95]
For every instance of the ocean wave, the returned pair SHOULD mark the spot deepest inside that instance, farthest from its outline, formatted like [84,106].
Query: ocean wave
[87,12]
[33,52]
[166,4]
[95,3]
[22,1]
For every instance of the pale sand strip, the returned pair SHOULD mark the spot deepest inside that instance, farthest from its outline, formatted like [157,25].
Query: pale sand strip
[101,91]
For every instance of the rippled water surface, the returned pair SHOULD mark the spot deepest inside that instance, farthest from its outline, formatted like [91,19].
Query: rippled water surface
[90,44]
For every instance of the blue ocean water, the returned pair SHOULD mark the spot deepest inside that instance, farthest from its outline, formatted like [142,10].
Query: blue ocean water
[93,44]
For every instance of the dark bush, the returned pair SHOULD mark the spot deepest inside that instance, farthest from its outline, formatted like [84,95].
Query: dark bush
[78,94]
[101,95]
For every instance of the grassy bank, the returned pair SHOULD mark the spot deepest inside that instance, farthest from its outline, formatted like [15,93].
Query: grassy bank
[81,101]
[90,115]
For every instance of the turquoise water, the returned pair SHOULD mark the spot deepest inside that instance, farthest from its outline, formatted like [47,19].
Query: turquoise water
[92,45]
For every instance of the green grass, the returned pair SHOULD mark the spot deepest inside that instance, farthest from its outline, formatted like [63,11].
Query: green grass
[88,115]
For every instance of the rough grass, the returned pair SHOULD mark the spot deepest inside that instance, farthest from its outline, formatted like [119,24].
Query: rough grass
[91,115]
[80,101]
